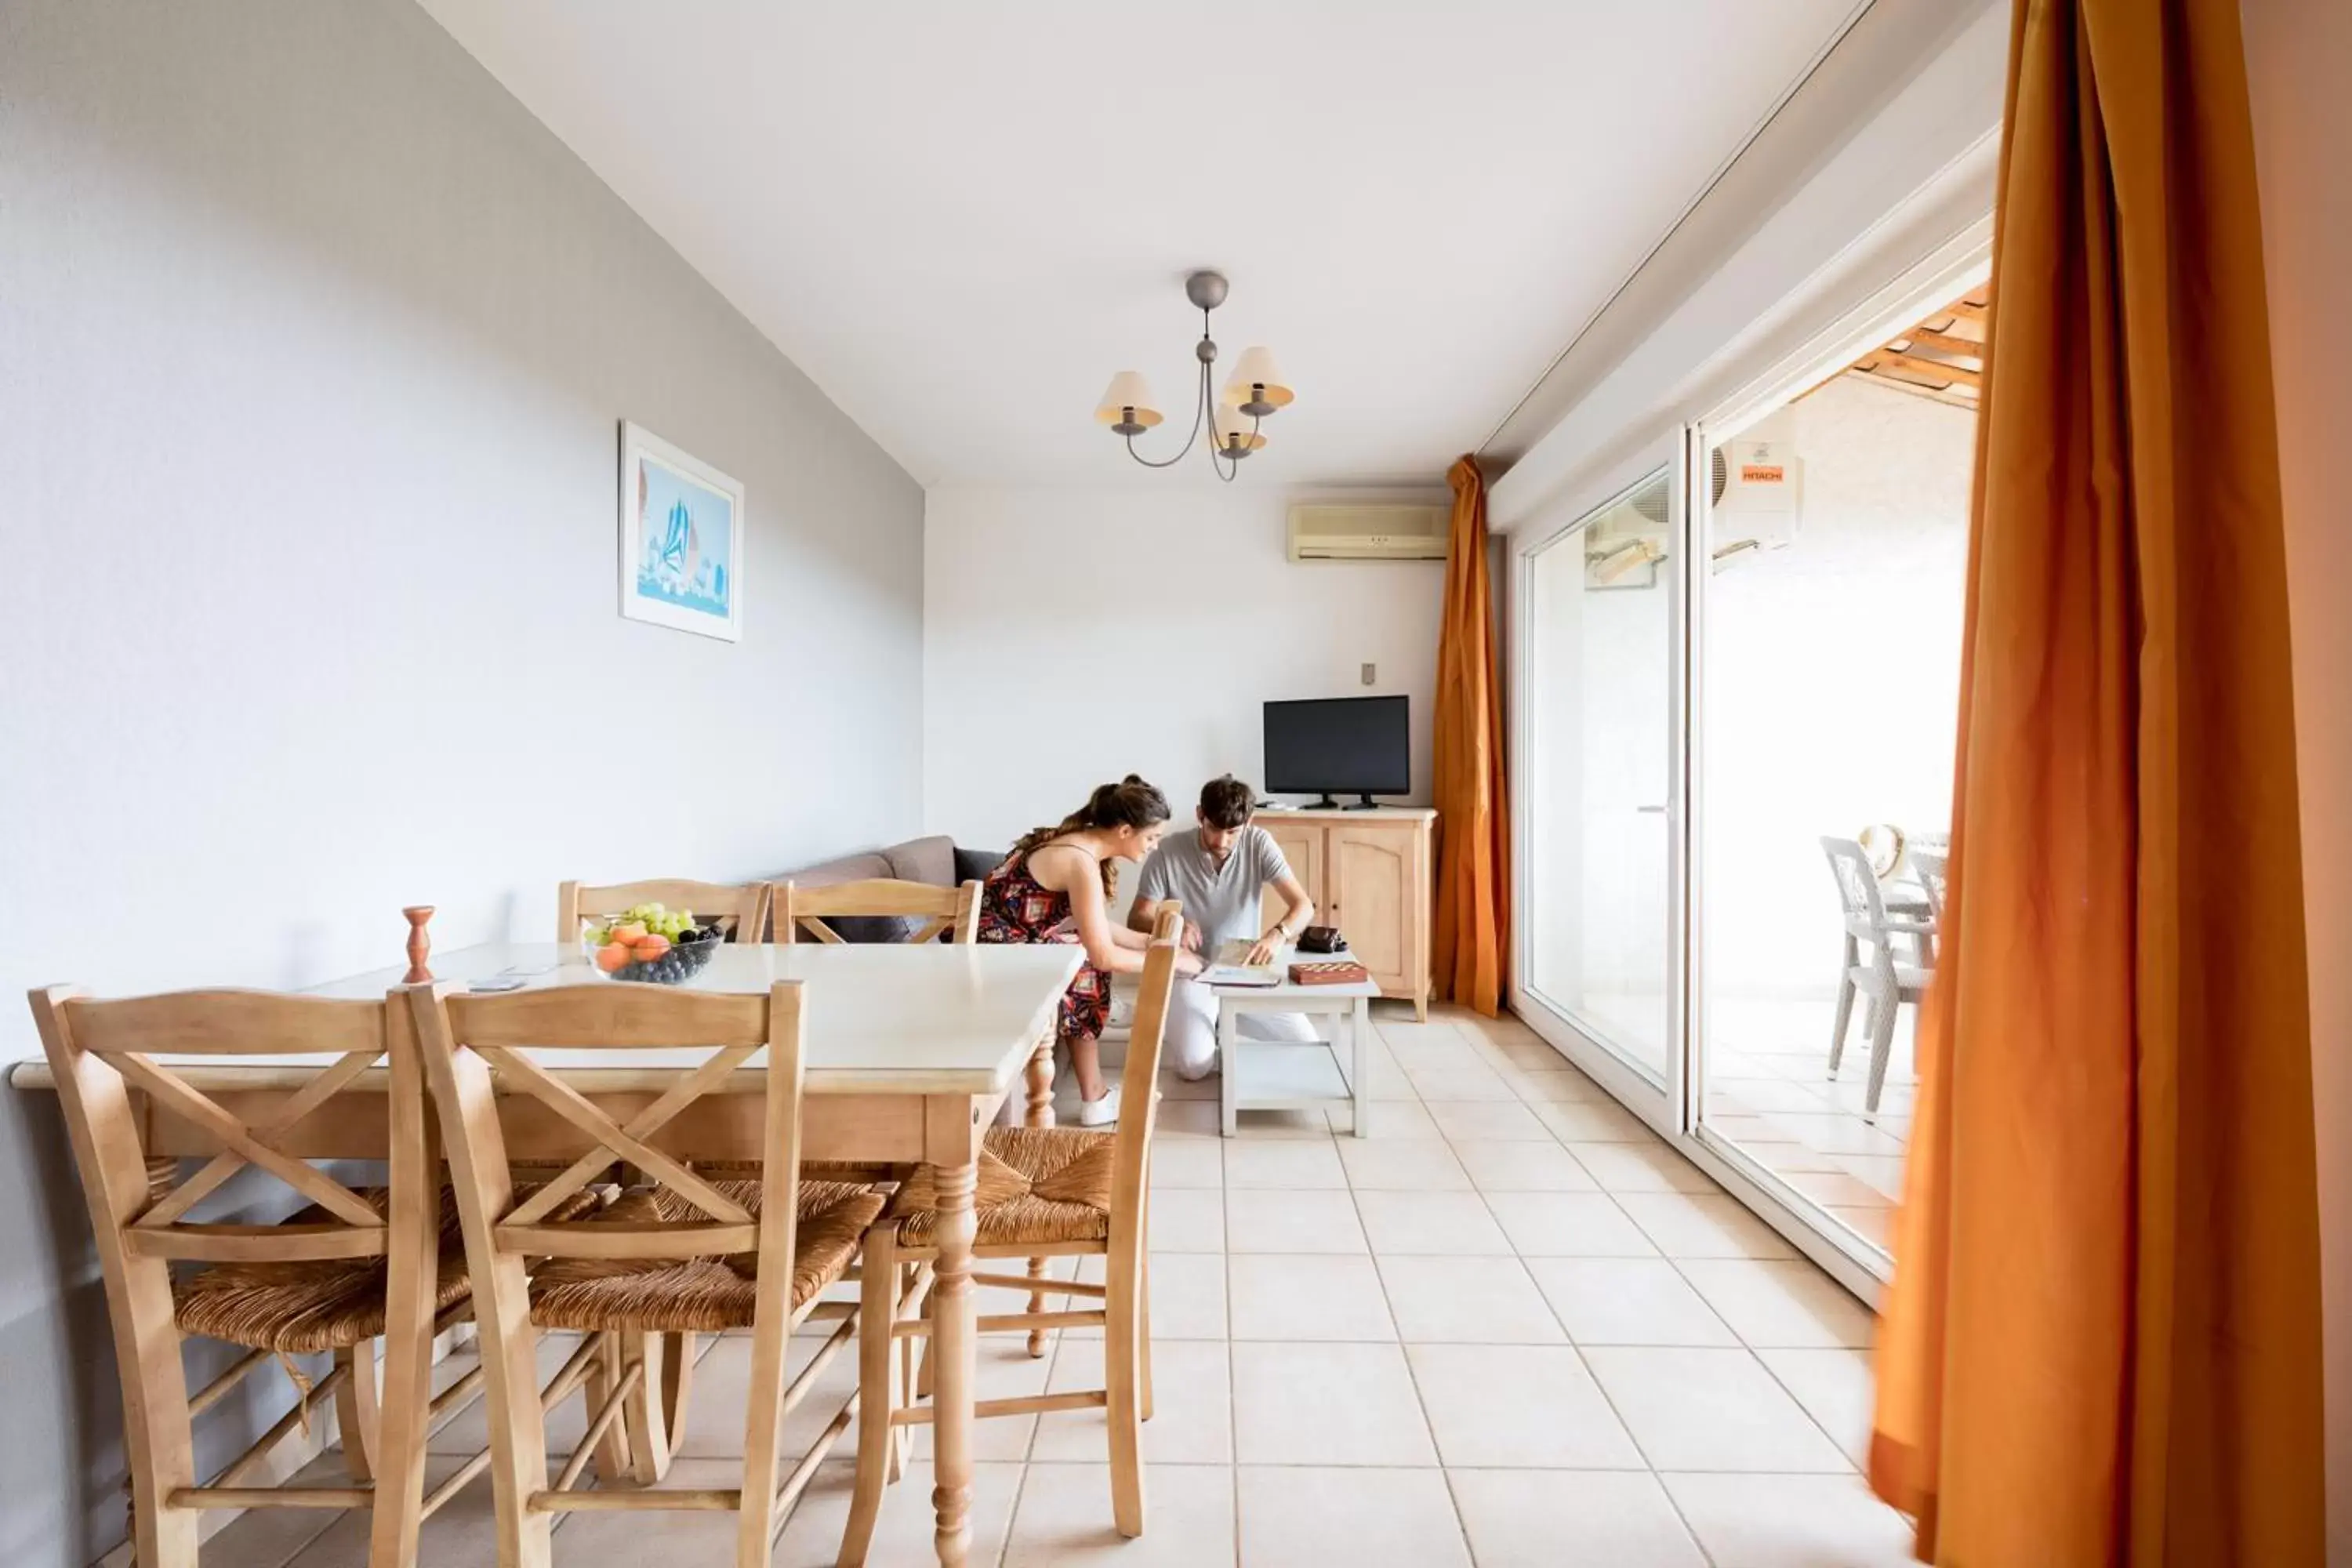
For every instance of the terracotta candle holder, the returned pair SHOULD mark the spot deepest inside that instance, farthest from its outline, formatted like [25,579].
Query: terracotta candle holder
[419,945]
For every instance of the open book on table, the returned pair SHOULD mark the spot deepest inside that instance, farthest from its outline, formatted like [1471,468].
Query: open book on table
[1229,968]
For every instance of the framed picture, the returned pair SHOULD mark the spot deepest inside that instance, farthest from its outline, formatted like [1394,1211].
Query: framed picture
[681,538]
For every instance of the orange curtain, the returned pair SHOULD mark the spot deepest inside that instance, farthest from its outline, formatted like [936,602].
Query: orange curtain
[2103,1340]
[1473,822]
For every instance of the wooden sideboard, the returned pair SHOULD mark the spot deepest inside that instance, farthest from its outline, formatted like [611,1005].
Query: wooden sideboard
[1371,874]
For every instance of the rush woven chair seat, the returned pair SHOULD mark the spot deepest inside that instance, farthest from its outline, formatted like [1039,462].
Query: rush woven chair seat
[618,1267]
[1042,1190]
[299,1308]
[700,1295]
[1037,1185]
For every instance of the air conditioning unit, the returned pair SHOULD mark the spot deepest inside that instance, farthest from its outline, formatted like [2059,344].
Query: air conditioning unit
[1368,530]
[1758,498]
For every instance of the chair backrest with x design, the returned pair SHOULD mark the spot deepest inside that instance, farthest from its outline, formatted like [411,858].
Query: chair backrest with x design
[120,1067]
[480,1049]
[742,911]
[1928,869]
[949,914]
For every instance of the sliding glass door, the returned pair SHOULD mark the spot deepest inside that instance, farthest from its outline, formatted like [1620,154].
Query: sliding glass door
[1602,605]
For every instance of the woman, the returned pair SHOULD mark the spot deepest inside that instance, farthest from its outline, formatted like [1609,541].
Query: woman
[1056,886]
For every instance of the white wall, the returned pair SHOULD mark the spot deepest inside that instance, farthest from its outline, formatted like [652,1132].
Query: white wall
[312,348]
[1832,675]
[1074,635]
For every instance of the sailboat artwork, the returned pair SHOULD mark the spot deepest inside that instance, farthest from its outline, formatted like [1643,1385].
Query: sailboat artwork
[681,538]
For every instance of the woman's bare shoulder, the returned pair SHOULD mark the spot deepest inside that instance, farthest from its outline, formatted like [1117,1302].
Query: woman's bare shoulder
[1057,865]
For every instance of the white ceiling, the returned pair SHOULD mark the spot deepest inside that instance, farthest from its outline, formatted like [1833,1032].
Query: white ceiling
[960,219]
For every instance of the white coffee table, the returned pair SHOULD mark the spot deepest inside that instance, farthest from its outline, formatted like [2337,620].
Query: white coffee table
[1279,1075]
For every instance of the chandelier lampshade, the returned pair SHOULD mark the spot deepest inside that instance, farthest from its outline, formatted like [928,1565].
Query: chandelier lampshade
[1257,388]
[1128,400]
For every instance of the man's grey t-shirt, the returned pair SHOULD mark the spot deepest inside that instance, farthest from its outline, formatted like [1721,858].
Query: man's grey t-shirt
[1224,901]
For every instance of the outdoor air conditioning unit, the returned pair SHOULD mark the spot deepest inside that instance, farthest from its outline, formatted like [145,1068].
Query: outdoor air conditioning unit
[1368,530]
[1759,496]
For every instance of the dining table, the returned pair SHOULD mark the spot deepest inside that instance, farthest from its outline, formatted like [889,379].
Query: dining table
[910,1053]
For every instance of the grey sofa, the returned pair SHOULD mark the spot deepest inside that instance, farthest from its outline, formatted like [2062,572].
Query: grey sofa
[936,860]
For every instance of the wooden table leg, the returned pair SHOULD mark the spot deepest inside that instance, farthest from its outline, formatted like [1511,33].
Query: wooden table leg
[1040,1114]
[956,1363]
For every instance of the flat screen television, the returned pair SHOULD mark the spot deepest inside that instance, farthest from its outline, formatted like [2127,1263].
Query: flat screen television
[1341,745]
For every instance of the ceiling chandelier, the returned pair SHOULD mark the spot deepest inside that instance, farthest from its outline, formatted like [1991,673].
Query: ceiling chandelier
[1256,391]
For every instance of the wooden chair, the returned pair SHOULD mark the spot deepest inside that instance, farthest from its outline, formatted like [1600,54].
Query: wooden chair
[686,1255]
[741,912]
[1042,1190]
[951,913]
[353,1267]
[1869,963]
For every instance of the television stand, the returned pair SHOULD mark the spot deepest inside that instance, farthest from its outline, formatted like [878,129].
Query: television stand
[1365,803]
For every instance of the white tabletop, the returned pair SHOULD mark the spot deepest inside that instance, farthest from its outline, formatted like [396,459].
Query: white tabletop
[886,1017]
[1292,992]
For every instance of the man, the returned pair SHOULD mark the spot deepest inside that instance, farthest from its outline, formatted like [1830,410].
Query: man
[1219,872]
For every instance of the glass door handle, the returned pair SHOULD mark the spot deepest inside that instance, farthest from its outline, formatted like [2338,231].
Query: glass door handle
[1651,810]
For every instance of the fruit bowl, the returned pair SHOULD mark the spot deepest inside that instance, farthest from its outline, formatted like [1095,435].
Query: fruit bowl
[648,945]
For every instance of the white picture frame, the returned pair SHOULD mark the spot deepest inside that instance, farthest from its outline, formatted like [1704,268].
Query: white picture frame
[681,544]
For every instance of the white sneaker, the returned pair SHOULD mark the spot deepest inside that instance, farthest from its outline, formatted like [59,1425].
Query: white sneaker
[1103,1112]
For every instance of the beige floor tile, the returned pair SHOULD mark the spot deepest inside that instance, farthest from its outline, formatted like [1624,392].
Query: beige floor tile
[1309,1298]
[1562,1086]
[1437,1052]
[1292,1222]
[271,1537]
[1784,1305]
[1689,1226]
[1188,1219]
[1711,1410]
[1532,1054]
[1532,1405]
[1188,1295]
[1430,1223]
[1186,1119]
[1835,1388]
[1063,1519]
[465,1532]
[1595,1121]
[812,1538]
[1376,1165]
[1473,1080]
[1282,1164]
[1791,1521]
[1567,1225]
[1187,1163]
[1477,1121]
[1390,1121]
[465,1431]
[1524,1167]
[1191,1422]
[1466,1300]
[1284,1124]
[1641,1168]
[1397,1029]
[1326,1404]
[1545,1519]
[1627,1301]
[1302,1518]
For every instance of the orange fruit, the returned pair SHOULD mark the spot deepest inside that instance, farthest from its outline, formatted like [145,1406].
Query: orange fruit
[631,935]
[614,955]
[651,947]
